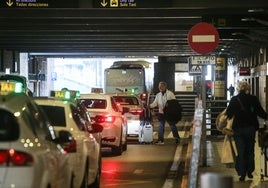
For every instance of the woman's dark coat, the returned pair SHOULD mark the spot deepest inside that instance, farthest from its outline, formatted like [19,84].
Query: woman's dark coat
[245,114]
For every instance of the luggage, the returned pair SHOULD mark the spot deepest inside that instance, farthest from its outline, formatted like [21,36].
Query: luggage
[264,163]
[146,132]
[146,128]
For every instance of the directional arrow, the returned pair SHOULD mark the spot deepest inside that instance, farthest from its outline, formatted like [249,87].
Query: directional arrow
[104,3]
[9,3]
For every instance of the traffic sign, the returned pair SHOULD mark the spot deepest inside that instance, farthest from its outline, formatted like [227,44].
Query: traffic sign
[195,70]
[202,60]
[203,38]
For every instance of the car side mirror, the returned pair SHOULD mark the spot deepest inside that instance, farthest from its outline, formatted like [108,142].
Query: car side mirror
[64,136]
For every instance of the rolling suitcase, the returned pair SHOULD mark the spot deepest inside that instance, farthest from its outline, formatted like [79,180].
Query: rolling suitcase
[263,144]
[264,163]
[146,132]
[146,128]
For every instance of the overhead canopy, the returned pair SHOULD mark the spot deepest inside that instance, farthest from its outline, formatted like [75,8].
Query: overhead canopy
[86,29]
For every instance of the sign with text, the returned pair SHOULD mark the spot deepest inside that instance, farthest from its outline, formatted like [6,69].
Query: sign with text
[39,4]
[220,64]
[203,60]
[132,3]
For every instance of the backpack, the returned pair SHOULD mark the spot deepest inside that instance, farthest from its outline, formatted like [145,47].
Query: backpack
[173,111]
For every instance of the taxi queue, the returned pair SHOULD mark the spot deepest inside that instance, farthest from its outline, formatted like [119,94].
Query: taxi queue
[55,141]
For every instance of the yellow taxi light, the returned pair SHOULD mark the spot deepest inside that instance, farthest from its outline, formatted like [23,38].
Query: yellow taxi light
[61,94]
[11,87]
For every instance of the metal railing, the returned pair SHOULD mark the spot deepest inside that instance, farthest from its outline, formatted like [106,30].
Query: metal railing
[213,109]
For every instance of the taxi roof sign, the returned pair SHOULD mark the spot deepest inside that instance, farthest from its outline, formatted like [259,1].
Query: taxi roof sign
[11,87]
[61,94]
[96,90]
[65,94]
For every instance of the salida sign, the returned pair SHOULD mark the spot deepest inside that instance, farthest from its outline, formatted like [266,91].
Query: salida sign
[203,38]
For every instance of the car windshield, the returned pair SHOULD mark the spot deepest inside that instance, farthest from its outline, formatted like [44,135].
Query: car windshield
[9,127]
[94,103]
[55,114]
[127,100]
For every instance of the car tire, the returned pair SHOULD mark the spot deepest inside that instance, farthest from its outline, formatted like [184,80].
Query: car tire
[96,183]
[84,183]
[125,145]
[118,150]
[72,181]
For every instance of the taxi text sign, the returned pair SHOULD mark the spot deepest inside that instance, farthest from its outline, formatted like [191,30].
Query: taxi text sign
[203,38]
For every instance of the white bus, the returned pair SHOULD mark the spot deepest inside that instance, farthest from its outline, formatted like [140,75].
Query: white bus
[126,76]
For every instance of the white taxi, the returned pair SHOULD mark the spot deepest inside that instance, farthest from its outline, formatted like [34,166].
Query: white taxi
[103,110]
[30,153]
[85,157]
[135,116]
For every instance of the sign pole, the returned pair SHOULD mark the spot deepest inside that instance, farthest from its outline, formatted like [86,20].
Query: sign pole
[204,131]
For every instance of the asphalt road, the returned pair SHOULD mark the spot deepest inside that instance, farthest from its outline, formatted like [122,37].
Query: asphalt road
[141,166]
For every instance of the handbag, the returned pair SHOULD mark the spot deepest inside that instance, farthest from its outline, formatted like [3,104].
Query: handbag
[228,129]
[224,124]
[221,120]
[263,137]
[229,150]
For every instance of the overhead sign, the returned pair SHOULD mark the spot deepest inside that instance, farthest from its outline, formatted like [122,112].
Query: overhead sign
[203,38]
[39,4]
[203,60]
[244,71]
[220,64]
[132,3]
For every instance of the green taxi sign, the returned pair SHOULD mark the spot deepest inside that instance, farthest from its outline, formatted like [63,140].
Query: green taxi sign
[11,87]
[61,94]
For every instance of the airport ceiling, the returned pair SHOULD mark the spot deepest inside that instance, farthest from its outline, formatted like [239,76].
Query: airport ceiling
[142,29]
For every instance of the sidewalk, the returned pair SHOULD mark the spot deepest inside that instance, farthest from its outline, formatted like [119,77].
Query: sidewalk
[214,165]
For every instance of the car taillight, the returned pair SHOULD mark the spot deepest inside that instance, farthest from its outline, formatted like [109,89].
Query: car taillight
[104,119]
[70,147]
[136,111]
[15,158]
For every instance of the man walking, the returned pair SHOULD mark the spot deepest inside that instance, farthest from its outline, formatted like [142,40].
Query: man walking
[231,90]
[160,100]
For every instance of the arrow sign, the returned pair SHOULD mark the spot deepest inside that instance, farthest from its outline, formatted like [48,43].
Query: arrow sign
[203,38]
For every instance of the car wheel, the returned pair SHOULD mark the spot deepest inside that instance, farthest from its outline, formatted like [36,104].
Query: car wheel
[96,183]
[72,181]
[118,150]
[85,178]
[125,145]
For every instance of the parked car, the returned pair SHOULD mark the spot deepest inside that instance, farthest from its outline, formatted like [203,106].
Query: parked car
[104,111]
[135,116]
[31,152]
[85,156]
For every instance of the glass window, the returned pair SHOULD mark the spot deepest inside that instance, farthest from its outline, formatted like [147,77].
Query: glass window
[114,105]
[94,103]
[9,127]
[55,114]
[127,100]
[78,118]
[37,121]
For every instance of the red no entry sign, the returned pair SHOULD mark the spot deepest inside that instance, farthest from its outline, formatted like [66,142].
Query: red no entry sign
[203,38]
